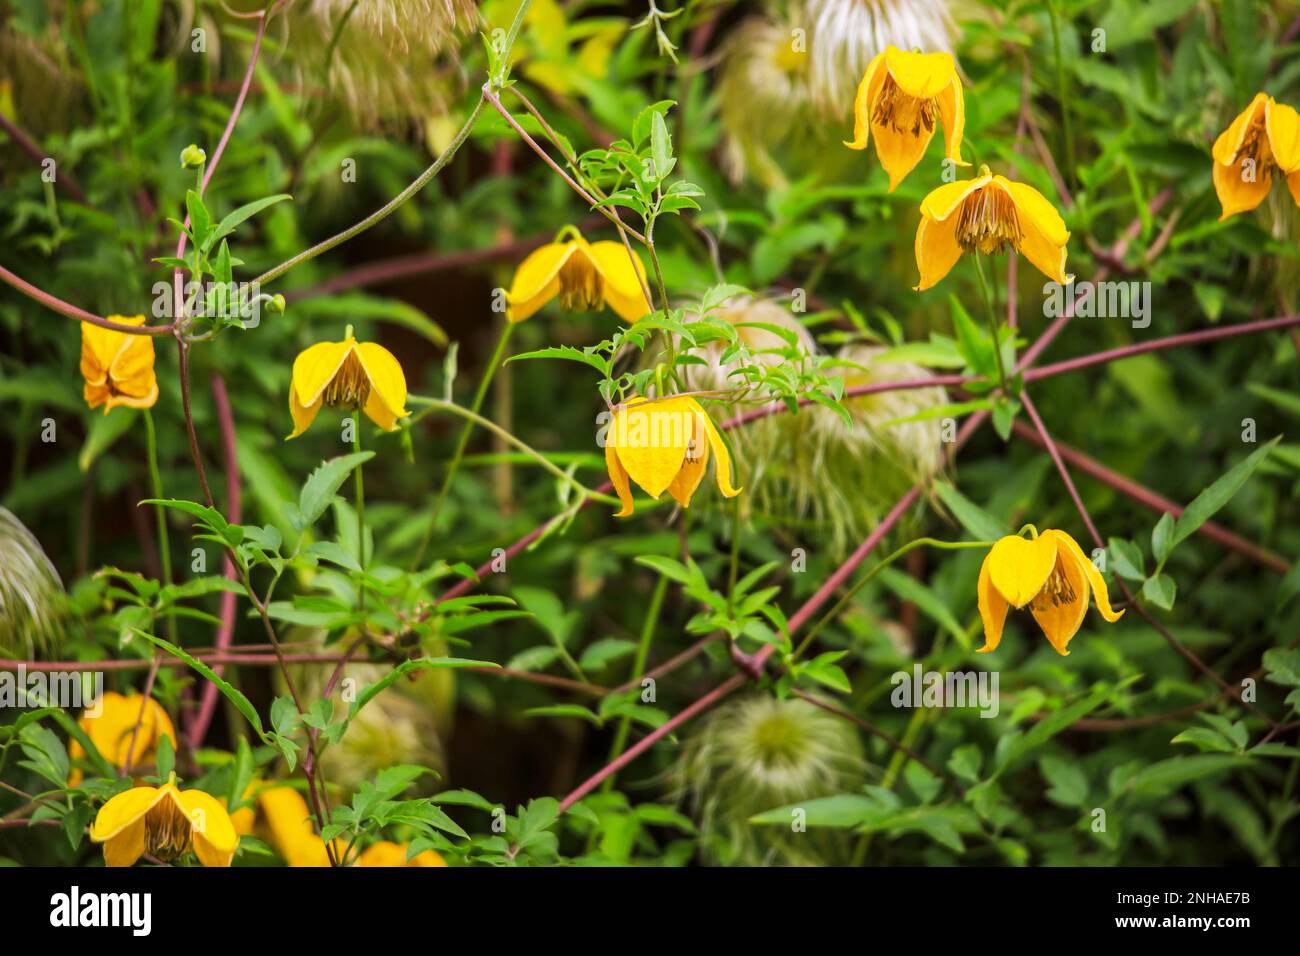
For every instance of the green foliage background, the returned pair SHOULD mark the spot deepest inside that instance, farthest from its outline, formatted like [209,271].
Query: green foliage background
[113,91]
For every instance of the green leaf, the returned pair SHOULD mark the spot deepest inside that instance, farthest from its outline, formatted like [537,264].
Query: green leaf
[1217,495]
[200,218]
[910,589]
[234,219]
[231,693]
[1162,538]
[1047,728]
[1160,590]
[661,146]
[322,485]
[1126,559]
[103,432]
[977,522]
[404,668]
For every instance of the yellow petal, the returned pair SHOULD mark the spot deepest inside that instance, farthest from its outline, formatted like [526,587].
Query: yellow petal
[899,150]
[315,367]
[215,837]
[872,80]
[387,401]
[1019,567]
[303,415]
[1067,545]
[427,858]
[722,465]
[1060,622]
[651,438]
[537,279]
[993,608]
[1230,140]
[922,75]
[1283,124]
[937,250]
[618,478]
[122,811]
[127,846]
[1043,233]
[947,199]
[693,468]
[952,113]
[1293,184]
[1236,194]
[623,281]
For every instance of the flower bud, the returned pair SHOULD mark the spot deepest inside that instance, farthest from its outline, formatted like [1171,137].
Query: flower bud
[192,157]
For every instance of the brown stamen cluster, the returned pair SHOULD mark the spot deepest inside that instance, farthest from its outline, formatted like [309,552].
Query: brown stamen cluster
[580,288]
[350,386]
[1255,147]
[167,831]
[900,110]
[1057,590]
[987,222]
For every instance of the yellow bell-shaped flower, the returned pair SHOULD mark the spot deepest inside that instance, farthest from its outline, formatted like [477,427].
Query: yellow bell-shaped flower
[111,730]
[988,215]
[118,366]
[351,375]
[1048,572]
[663,445]
[900,99]
[585,275]
[166,823]
[1266,136]
[389,854]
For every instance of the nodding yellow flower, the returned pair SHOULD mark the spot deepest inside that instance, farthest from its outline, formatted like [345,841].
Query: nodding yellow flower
[164,822]
[118,366]
[988,215]
[585,275]
[289,822]
[1048,572]
[900,99]
[387,853]
[351,375]
[1265,136]
[110,731]
[663,445]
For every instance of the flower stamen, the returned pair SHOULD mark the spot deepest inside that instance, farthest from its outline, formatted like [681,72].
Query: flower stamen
[350,387]
[987,222]
[903,112]
[1057,590]
[580,286]
[168,833]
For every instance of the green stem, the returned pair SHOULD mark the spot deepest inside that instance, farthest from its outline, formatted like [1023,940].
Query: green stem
[1060,87]
[638,669]
[475,407]
[155,481]
[993,322]
[361,513]
[384,211]
[511,439]
[870,575]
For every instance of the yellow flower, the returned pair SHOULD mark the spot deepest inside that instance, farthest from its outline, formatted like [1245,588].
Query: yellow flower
[111,729]
[585,275]
[663,445]
[387,853]
[289,821]
[118,366]
[167,823]
[899,100]
[1048,572]
[1266,135]
[351,375]
[988,215]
